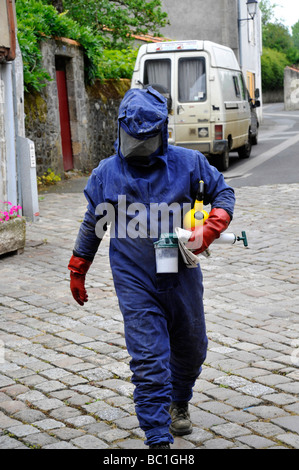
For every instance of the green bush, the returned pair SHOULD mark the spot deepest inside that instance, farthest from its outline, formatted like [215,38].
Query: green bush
[273,65]
[36,22]
[118,64]
[35,77]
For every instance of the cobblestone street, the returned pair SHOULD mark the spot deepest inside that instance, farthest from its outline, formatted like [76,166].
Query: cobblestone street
[64,369]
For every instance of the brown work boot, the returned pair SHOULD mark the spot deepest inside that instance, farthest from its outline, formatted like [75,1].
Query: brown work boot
[180,416]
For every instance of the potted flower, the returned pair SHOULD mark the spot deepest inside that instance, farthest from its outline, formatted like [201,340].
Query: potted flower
[12,228]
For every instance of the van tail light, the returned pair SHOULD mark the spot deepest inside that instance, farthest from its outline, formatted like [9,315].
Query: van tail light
[218,132]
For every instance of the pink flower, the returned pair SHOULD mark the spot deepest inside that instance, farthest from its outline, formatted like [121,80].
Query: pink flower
[14,209]
[13,212]
[7,202]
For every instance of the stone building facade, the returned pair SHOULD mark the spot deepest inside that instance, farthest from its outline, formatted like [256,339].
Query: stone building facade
[91,112]
[212,20]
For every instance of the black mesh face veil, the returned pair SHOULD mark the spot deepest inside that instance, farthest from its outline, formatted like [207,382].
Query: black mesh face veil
[136,148]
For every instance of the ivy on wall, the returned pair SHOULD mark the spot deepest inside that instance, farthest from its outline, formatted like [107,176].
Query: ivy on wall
[37,21]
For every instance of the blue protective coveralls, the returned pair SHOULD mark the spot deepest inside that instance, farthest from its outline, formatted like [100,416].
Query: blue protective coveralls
[163,313]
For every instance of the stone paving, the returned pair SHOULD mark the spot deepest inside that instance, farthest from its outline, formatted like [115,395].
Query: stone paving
[64,369]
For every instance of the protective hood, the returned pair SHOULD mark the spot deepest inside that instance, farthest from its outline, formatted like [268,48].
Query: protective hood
[142,126]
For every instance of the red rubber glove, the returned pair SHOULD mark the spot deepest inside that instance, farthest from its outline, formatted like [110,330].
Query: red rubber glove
[205,234]
[78,267]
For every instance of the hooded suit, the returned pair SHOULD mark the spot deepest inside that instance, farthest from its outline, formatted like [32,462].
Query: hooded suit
[163,313]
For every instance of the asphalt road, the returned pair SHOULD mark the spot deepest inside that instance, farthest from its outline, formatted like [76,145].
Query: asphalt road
[275,158]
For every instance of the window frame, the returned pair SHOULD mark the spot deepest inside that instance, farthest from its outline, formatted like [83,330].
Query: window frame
[193,58]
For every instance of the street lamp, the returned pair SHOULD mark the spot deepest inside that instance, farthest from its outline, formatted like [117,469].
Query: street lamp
[251,9]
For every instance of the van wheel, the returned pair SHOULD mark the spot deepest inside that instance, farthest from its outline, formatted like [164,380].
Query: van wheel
[223,161]
[245,150]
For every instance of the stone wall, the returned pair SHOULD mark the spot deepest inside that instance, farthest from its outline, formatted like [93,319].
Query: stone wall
[291,89]
[39,129]
[42,109]
[103,102]
[274,96]
[93,112]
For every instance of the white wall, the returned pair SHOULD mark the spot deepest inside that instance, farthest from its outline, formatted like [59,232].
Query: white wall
[250,42]
[11,124]
[250,39]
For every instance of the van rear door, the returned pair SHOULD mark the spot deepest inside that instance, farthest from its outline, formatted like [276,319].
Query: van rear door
[184,76]
[158,70]
[192,110]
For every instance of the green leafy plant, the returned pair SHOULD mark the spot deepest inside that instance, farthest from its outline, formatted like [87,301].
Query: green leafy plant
[273,65]
[118,21]
[115,63]
[280,48]
[105,30]
[37,22]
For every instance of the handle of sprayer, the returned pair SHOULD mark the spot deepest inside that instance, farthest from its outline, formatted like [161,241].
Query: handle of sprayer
[243,238]
[200,191]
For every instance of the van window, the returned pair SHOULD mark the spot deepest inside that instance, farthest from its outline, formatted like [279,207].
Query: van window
[237,87]
[158,72]
[243,87]
[192,79]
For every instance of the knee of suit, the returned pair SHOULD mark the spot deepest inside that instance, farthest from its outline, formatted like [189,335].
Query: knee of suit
[151,374]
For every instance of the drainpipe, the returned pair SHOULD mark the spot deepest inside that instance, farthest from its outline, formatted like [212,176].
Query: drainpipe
[11,169]
[240,34]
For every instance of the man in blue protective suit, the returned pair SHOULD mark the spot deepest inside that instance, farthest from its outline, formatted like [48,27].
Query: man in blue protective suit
[163,313]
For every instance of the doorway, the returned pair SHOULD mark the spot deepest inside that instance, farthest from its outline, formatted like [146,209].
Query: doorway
[64,115]
[251,84]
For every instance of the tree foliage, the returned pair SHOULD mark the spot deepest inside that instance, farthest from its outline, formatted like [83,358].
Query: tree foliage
[277,36]
[273,65]
[116,21]
[280,48]
[295,34]
[116,63]
[267,11]
[103,28]
[37,22]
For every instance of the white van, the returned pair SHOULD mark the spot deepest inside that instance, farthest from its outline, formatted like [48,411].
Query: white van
[210,111]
